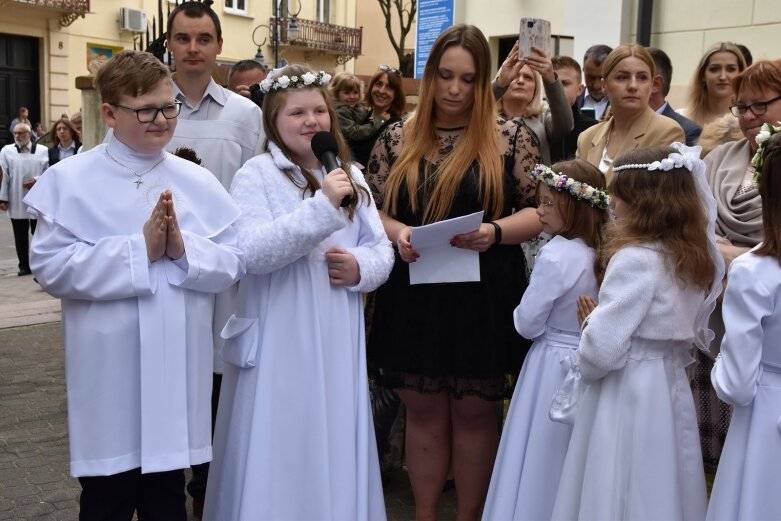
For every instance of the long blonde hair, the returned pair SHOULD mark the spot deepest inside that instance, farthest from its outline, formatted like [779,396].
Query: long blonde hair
[698,95]
[479,143]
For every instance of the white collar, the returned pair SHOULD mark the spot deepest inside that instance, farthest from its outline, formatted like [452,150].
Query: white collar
[280,159]
[603,100]
[129,157]
[661,109]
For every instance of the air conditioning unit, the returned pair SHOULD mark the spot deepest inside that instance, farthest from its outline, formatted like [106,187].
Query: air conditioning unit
[132,20]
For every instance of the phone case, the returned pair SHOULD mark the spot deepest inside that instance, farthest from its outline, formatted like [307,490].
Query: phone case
[536,32]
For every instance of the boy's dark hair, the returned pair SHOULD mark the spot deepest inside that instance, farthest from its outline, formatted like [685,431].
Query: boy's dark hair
[245,65]
[664,67]
[192,9]
[129,73]
[746,54]
[597,53]
[567,62]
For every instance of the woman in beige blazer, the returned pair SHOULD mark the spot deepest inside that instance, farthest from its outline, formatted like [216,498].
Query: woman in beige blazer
[628,73]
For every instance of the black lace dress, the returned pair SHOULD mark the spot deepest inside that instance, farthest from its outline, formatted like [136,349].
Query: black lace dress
[457,337]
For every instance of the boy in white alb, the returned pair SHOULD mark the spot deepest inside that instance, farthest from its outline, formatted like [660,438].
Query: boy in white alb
[135,241]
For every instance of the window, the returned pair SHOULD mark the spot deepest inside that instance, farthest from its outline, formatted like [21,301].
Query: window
[324,11]
[236,6]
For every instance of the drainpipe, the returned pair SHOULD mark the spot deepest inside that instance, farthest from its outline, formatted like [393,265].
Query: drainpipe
[645,11]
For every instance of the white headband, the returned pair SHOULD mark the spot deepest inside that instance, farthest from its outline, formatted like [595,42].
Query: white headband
[686,157]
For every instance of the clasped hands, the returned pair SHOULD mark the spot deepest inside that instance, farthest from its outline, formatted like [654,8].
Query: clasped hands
[161,231]
[479,240]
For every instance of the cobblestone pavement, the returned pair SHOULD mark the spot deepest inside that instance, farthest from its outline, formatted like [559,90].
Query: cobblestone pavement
[33,431]
[35,484]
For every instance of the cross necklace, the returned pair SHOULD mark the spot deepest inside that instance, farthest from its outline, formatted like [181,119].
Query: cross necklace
[138,180]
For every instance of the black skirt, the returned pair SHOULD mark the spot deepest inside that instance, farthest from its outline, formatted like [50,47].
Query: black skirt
[458,337]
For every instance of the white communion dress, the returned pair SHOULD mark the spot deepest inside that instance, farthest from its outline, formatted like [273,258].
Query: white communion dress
[294,437]
[532,449]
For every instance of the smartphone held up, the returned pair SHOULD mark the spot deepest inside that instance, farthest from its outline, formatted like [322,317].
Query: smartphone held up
[534,32]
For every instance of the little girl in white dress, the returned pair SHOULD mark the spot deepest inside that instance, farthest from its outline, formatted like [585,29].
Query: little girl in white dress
[635,449]
[747,373]
[571,205]
[294,436]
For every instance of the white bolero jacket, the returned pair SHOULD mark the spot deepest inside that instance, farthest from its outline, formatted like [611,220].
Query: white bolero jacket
[279,224]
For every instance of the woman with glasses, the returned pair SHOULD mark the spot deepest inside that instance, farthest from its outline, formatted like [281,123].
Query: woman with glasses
[448,347]
[738,224]
[384,103]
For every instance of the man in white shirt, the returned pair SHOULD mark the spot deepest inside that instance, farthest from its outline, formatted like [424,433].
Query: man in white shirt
[594,98]
[223,128]
[21,163]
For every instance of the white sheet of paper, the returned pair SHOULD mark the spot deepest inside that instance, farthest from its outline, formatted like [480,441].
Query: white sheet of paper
[439,261]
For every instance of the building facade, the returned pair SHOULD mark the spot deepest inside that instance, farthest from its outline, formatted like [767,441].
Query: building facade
[46,44]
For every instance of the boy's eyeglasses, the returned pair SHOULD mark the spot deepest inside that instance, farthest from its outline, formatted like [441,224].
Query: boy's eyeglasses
[392,70]
[758,108]
[149,114]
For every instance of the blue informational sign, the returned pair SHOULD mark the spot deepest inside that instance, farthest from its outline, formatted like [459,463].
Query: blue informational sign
[434,16]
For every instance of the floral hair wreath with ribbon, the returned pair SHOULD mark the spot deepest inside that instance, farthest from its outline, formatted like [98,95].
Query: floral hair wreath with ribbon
[583,191]
[308,79]
[766,132]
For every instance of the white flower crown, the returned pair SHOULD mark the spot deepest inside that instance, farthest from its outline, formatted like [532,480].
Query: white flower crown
[766,132]
[308,79]
[687,159]
[594,196]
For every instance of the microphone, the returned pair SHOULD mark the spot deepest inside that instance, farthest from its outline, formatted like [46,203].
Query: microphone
[325,149]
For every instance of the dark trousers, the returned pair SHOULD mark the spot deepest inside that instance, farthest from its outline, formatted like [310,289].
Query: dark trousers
[197,485]
[21,229]
[158,496]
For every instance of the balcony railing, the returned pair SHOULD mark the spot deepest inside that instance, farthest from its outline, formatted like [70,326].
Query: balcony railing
[70,9]
[330,38]
[74,6]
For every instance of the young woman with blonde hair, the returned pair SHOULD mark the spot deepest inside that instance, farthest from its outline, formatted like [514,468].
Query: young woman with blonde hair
[448,347]
[710,90]
[628,75]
